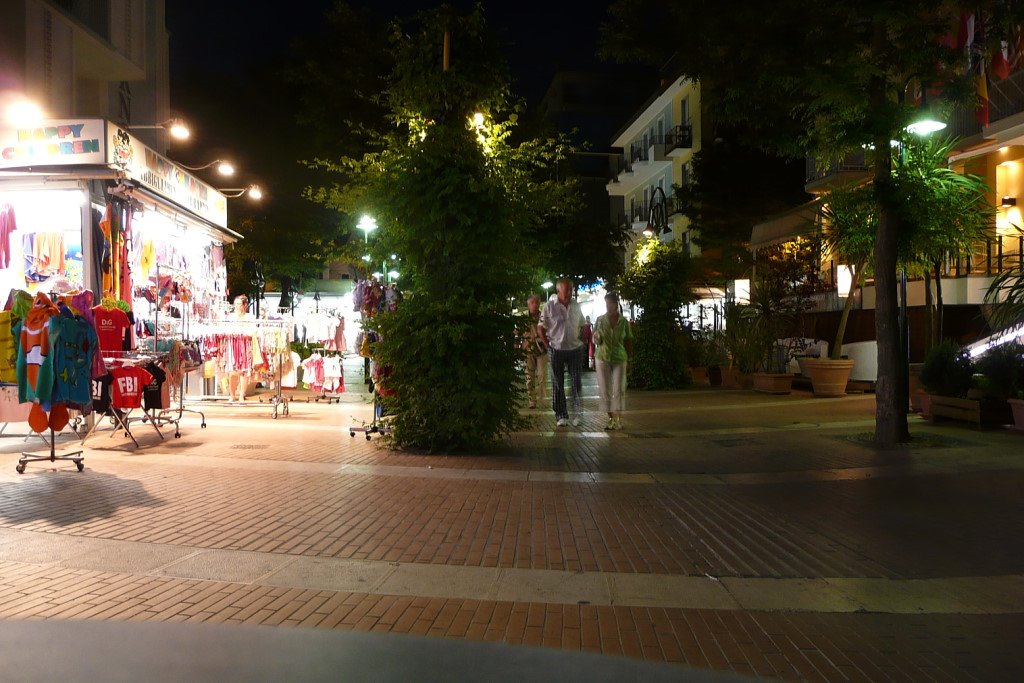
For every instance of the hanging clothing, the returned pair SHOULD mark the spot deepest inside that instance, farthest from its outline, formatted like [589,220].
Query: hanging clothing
[128,386]
[101,387]
[74,343]
[111,324]
[334,375]
[156,395]
[7,225]
[35,362]
[8,349]
[290,371]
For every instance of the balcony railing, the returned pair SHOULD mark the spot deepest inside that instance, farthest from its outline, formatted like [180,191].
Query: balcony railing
[853,162]
[639,212]
[639,152]
[679,137]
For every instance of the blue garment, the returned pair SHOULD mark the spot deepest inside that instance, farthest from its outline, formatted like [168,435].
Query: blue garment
[73,342]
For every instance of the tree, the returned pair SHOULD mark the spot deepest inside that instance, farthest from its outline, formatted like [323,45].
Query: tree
[821,79]
[957,217]
[658,283]
[461,206]
[722,172]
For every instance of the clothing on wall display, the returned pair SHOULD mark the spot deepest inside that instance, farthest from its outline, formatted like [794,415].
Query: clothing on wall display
[111,324]
[8,224]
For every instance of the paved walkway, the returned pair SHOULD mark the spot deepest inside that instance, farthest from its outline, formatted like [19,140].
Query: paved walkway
[723,530]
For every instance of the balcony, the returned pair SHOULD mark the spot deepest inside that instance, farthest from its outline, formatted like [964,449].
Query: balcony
[820,178]
[638,166]
[678,139]
[1006,98]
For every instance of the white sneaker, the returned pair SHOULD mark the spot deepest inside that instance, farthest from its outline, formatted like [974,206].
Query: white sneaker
[562,422]
[576,421]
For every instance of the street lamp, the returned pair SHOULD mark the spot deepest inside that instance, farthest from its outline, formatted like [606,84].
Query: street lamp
[176,127]
[224,167]
[367,224]
[253,191]
[24,113]
[657,217]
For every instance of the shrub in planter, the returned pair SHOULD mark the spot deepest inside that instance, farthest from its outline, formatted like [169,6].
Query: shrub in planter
[747,339]
[947,371]
[1001,371]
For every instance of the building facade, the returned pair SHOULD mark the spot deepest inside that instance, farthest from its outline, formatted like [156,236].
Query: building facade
[105,59]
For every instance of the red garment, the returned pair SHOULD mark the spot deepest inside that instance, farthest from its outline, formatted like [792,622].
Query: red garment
[127,387]
[110,326]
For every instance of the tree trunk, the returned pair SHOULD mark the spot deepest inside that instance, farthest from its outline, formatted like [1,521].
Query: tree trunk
[929,310]
[938,302]
[891,396]
[837,348]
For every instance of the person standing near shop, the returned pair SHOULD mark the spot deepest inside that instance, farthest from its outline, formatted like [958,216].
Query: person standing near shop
[613,339]
[559,328]
[536,357]
[587,337]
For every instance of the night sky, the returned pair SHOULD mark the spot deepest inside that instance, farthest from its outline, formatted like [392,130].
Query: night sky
[223,37]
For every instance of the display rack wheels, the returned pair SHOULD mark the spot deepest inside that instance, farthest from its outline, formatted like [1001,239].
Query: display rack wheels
[352,434]
[80,465]
[177,435]
[203,426]
[20,469]
[367,436]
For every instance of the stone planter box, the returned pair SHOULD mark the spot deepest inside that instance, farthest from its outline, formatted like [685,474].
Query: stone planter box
[1017,407]
[829,377]
[773,382]
[985,412]
[924,403]
[916,392]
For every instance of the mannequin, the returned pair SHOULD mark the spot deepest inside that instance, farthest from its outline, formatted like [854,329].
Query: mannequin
[238,382]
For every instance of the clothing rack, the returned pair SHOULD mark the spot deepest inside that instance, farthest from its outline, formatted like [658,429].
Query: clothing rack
[278,402]
[333,396]
[122,419]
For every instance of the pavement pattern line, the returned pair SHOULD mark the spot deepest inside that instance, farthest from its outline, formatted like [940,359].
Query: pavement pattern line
[955,595]
[974,464]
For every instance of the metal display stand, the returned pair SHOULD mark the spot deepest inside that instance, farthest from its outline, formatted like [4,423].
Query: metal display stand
[74,456]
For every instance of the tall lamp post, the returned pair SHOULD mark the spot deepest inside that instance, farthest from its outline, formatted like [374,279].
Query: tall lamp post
[657,216]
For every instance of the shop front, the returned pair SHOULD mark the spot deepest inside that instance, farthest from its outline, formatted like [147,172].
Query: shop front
[124,240]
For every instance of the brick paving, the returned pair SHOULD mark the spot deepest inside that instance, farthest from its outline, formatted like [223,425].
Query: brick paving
[280,489]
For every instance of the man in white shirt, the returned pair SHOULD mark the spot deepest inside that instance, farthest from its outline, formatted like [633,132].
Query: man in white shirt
[559,329]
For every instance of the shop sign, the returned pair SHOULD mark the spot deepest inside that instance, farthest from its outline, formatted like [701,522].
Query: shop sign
[161,175]
[60,142]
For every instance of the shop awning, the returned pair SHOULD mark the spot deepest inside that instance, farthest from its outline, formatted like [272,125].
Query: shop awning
[797,222]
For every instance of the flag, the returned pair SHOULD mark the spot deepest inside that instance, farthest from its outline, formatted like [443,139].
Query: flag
[981,111]
[1000,65]
[965,34]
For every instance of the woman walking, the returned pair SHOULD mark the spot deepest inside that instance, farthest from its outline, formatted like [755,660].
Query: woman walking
[613,340]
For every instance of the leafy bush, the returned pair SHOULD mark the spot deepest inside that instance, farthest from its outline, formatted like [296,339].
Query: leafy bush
[658,283]
[947,370]
[748,337]
[1002,371]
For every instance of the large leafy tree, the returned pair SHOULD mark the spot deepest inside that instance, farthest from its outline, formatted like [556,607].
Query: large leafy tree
[822,79]
[462,207]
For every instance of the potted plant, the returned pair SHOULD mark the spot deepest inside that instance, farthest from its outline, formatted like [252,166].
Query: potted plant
[948,377]
[749,342]
[699,351]
[1001,378]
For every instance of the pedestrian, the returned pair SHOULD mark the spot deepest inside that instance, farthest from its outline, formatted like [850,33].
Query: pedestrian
[559,328]
[614,340]
[587,337]
[536,356]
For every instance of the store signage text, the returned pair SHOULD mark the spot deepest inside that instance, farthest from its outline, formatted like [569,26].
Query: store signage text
[166,178]
[50,142]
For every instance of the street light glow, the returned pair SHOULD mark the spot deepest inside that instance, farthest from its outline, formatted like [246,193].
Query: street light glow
[24,114]
[179,130]
[225,168]
[925,126]
[367,224]
[547,285]
[478,120]
[393,274]
[255,192]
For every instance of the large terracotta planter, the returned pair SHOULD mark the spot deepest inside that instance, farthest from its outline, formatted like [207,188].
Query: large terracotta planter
[985,412]
[829,377]
[745,380]
[1017,406]
[715,376]
[700,376]
[730,377]
[773,382]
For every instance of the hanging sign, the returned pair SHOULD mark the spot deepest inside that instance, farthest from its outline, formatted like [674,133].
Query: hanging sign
[59,142]
[156,172]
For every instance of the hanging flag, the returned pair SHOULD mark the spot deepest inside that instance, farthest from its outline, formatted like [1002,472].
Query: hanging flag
[981,112]
[1000,65]
[965,34]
